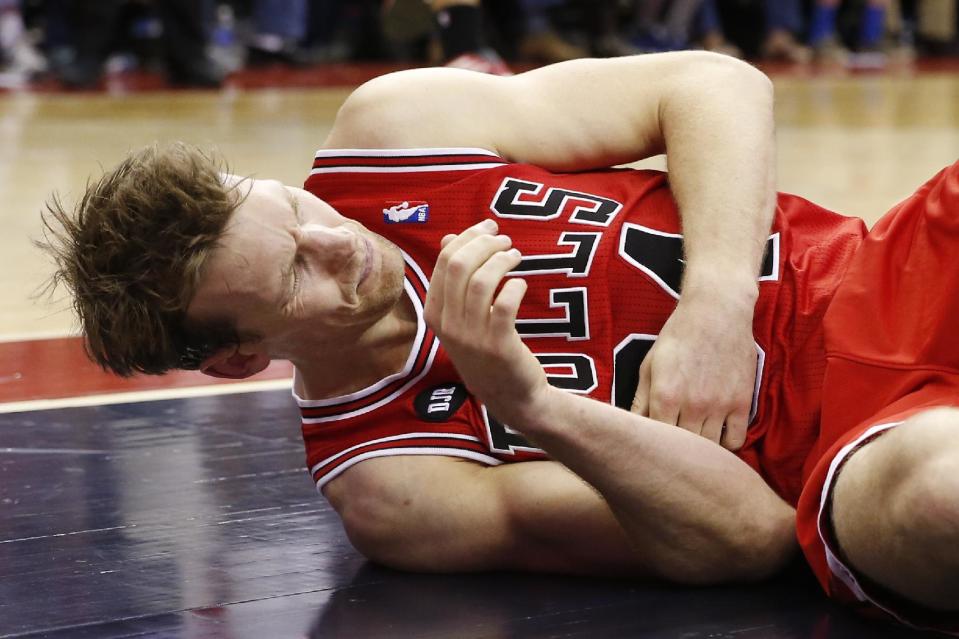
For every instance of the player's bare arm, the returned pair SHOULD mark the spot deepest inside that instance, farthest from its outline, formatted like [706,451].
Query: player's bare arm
[442,514]
[705,111]
[692,511]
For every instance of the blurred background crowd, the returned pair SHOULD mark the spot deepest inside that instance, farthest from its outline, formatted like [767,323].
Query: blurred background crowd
[200,42]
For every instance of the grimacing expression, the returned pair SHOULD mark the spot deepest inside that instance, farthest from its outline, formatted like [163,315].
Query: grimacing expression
[289,265]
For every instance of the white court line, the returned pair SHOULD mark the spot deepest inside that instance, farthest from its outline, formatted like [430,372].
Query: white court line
[35,336]
[51,451]
[145,396]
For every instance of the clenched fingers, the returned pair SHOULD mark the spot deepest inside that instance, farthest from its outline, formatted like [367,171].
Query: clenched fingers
[734,435]
[455,258]
[483,284]
[461,272]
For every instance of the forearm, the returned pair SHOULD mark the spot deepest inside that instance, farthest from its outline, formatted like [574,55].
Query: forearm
[699,512]
[718,129]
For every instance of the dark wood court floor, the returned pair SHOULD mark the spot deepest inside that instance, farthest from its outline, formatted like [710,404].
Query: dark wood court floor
[196,518]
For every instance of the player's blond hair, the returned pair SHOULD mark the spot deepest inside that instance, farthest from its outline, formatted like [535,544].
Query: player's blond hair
[132,252]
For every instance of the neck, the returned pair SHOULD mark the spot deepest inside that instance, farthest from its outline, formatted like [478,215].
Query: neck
[330,368]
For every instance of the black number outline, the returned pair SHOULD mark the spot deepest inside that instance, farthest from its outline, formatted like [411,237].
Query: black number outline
[576,317]
[552,204]
[583,242]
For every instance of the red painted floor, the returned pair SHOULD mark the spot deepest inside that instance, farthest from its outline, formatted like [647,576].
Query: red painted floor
[330,75]
[57,368]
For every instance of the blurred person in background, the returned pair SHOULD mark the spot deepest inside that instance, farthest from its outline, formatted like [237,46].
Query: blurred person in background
[461,34]
[279,31]
[761,29]
[458,28]
[784,22]
[540,41]
[672,25]
[19,60]
[936,23]
[96,26]
[828,47]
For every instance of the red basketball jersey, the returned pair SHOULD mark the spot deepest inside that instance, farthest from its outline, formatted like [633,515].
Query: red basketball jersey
[602,255]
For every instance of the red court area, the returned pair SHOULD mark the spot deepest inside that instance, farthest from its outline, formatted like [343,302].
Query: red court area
[58,368]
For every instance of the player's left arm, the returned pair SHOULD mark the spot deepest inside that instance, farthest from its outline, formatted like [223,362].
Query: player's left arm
[711,114]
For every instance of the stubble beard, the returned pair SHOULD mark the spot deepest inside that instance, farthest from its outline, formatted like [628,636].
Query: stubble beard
[389,289]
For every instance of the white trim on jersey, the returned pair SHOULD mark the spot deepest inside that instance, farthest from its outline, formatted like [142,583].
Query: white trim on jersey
[774,276]
[406,169]
[838,568]
[760,368]
[387,153]
[392,438]
[393,452]
[439,153]
[407,368]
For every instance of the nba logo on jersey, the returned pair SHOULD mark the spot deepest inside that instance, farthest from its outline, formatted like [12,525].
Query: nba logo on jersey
[406,211]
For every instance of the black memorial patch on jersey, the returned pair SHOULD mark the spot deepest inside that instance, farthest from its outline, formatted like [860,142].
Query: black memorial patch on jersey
[439,403]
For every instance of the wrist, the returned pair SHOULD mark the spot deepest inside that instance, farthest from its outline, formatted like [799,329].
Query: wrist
[728,287]
[537,412]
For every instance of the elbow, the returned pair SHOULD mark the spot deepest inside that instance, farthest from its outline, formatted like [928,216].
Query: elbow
[725,75]
[393,531]
[771,545]
[755,549]
[375,529]
[724,67]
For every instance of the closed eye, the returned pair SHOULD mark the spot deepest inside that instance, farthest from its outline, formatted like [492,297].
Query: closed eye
[295,276]
[292,275]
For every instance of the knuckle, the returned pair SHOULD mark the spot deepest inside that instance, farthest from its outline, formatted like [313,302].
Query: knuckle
[502,308]
[456,265]
[699,404]
[667,396]
[478,285]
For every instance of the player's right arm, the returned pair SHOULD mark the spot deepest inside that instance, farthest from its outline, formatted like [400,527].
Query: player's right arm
[441,514]
[693,511]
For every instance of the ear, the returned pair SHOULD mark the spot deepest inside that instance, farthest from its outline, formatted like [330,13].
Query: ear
[231,362]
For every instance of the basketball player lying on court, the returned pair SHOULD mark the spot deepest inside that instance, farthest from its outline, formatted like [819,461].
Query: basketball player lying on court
[463,285]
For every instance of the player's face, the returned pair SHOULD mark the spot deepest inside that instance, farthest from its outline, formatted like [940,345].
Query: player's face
[290,268]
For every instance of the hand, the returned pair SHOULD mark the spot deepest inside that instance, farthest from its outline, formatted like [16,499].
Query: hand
[701,372]
[477,326]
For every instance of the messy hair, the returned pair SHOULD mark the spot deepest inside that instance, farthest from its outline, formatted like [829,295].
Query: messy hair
[132,252]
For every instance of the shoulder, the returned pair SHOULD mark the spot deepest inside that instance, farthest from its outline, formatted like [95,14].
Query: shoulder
[417,108]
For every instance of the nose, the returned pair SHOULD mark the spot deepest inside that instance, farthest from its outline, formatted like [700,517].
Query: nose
[325,245]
